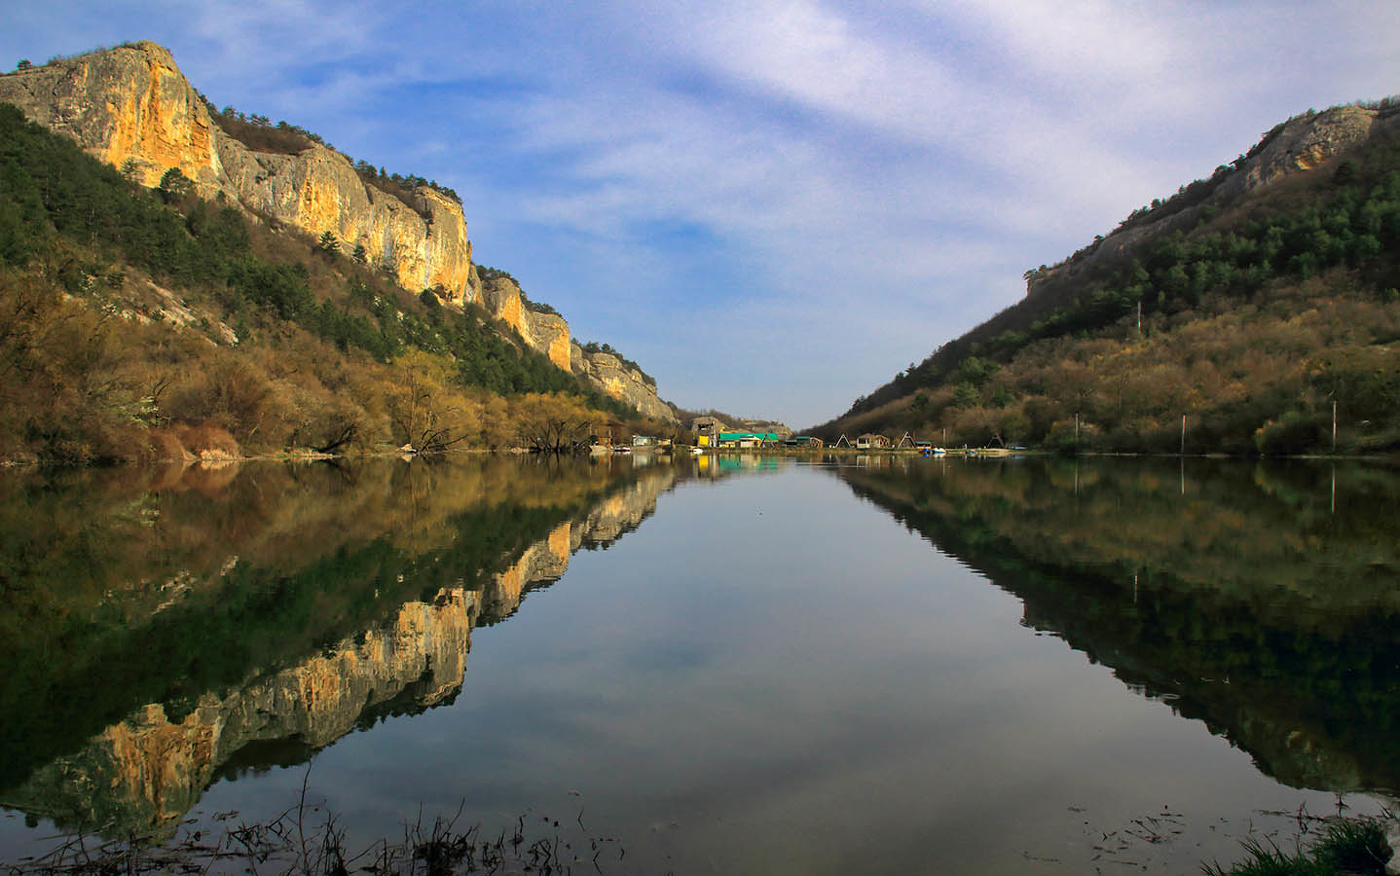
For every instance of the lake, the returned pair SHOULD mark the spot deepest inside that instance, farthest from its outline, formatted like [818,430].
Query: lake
[716,665]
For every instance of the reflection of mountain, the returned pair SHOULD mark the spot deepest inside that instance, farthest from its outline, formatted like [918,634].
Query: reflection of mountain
[147,770]
[1236,593]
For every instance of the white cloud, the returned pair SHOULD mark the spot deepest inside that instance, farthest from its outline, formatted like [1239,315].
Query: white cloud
[727,178]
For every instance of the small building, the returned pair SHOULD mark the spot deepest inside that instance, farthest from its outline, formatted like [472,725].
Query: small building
[708,427]
[810,441]
[606,433]
[872,441]
[745,440]
[643,441]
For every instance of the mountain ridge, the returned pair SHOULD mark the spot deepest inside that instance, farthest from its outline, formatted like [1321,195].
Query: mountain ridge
[132,108]
[1273,247]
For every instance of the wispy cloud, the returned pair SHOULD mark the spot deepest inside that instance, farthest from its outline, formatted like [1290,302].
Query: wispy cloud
[774,205]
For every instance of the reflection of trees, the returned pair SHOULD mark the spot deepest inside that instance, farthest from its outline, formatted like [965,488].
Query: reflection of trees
[1235,593]
[130,588]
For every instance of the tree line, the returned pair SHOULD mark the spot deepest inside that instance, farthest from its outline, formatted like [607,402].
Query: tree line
[92,367]
[1251,324]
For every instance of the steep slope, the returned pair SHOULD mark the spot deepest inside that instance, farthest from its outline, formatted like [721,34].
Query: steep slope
[1248,303]
[139,324]
[132,108]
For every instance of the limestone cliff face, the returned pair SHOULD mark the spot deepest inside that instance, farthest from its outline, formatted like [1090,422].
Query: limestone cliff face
[609,374]
[1299,145]
[131,107]
[546,332]
[502,298]
[317,190]
[130,104]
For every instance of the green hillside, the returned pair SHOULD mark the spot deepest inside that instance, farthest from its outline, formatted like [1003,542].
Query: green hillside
[146,324]
[1249,318]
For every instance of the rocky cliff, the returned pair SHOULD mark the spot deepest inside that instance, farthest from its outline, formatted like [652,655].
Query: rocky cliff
[624,383]
[132,108]
[549,333]
[546,332]
[1299,145]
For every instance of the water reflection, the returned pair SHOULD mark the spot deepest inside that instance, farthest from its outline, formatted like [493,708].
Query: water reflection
[1263,600]
[771,676]
[164,628]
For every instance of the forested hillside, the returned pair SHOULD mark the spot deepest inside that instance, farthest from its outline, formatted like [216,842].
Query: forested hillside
[1249,317]
[149,324]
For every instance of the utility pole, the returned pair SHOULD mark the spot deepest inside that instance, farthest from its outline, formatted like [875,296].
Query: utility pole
[1334,425]
[1183,435]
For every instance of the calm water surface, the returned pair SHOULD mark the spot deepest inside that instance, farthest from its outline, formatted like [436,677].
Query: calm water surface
[720,666]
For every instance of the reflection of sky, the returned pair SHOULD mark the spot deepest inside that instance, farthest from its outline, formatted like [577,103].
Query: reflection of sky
[774,678]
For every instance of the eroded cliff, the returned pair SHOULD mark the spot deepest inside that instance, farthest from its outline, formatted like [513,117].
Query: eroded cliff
[628,385]
[546,332]
[132,108]
[1299,145]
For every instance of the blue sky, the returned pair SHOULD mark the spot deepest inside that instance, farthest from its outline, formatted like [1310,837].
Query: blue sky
[772,205]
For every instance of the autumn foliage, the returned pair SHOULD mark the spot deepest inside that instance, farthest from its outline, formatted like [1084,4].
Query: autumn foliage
[1252,331]
[152,325]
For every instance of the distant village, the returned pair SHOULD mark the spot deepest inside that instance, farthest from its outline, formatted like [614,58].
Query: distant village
[711,432]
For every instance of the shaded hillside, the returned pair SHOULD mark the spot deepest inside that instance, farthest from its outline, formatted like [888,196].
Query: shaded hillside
[142,323]
[1265,294]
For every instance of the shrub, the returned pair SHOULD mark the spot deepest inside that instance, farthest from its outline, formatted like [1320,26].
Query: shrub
[1294,432]
[204,439]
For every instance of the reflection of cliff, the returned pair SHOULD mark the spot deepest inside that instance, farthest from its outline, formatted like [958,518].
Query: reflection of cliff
[146,771]
[1235,596]
[135,586]
[604,523]
[150,769]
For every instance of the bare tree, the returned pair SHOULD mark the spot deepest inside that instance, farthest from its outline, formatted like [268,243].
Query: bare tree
[427,417]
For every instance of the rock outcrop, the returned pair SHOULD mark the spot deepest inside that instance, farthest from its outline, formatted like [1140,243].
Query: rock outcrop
[1299,145]
[546,332]
[549,333]
[132,108]
[628,385]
